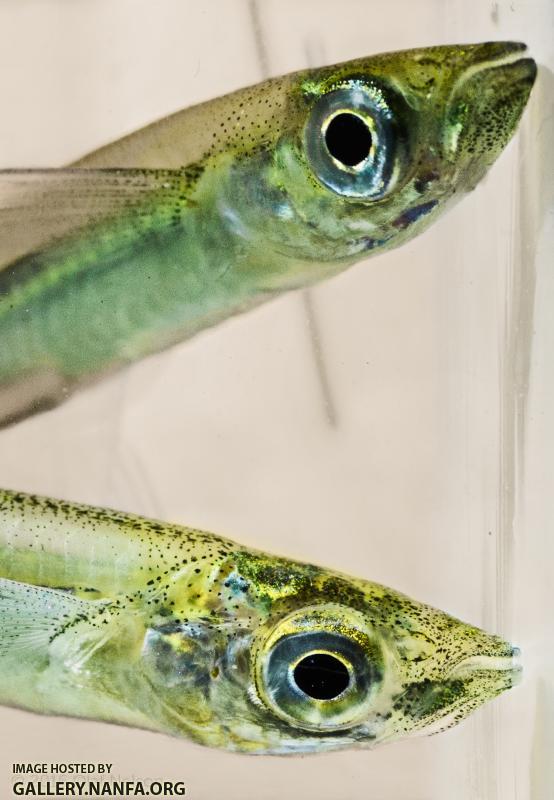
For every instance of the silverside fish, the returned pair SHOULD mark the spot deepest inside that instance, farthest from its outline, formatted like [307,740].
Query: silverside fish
[114,617]
[220,207]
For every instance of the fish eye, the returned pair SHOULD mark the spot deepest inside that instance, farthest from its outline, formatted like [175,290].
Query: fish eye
[347,138]
[350,141]
[321,676]
[317,674]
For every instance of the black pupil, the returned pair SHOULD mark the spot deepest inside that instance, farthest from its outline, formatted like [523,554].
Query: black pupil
[321,676]
[348,139]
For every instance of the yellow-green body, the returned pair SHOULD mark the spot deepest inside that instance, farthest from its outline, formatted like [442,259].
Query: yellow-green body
[220,207]
[110,616]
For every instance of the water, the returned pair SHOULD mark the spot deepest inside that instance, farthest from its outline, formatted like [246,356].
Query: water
[394,423]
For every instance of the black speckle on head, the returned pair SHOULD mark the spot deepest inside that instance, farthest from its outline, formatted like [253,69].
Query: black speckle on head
[427,698]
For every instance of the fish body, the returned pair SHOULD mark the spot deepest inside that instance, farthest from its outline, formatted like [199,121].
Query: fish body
[114,617]
[220,207]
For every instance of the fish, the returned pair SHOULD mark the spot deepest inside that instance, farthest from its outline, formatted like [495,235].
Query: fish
[110,616]
[218,208]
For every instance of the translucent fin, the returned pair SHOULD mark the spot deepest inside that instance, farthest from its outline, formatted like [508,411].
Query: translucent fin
[31,616]
[39,207]
[31,394]
[186,136]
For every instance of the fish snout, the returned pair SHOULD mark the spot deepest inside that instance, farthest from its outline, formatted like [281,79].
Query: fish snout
[494,51]
[513,67]
[497,68]
[502,667]
[485,106]
[477,57]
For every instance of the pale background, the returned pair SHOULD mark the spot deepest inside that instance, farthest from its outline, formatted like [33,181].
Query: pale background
[394,423]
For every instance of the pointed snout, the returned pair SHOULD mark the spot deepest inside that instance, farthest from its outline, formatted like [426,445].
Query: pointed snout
[475,57]
[495,63]
[486,104]
[502,666]
[510,57]
[494,51]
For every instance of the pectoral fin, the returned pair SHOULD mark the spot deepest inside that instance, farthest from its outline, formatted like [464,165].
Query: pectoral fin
[32,616]
[41,207]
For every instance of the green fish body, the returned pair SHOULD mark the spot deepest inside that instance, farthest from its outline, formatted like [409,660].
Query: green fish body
[214,210]
[110,616]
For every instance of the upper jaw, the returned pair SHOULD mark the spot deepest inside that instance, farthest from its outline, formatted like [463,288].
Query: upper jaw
[499,52]
[506,56]
[505,665]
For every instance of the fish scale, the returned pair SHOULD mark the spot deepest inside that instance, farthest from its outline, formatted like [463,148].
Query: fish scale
[220,207]
[135,294]
[114,617]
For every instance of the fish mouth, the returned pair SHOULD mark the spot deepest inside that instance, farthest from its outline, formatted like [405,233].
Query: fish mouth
[505,56]
[486,104]
[505,666]
[497,51]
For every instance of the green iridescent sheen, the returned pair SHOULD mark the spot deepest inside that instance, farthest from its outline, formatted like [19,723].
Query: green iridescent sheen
[220,207]
[114,617]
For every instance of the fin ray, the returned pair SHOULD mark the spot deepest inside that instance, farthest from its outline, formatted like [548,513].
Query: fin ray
[31,616]
[40,207]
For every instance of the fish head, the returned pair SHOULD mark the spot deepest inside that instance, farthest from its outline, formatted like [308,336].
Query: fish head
[332,671]
[375,149]
[360,665]
[307,660]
